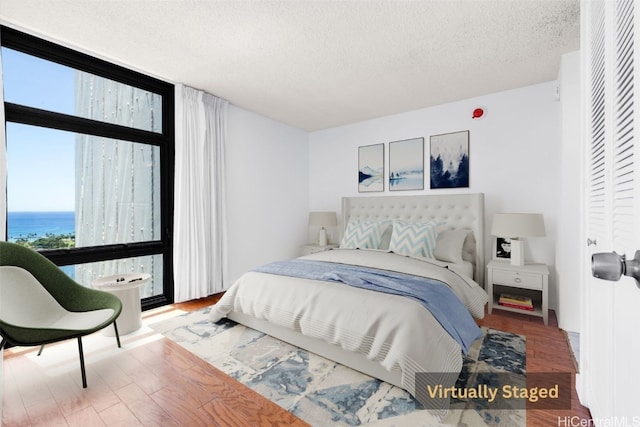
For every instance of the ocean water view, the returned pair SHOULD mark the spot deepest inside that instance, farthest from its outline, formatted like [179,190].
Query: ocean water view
[34,225]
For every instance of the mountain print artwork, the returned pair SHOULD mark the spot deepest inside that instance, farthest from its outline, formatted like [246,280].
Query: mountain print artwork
[449,160]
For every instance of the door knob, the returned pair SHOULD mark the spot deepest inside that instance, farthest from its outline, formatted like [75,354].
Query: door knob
[611,266]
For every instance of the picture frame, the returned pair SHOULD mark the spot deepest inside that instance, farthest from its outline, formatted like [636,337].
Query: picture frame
[502,248]
[406,165]
[371,168]
[449,160]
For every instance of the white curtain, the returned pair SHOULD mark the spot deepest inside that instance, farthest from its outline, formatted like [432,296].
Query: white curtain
[199,224]
[117,182]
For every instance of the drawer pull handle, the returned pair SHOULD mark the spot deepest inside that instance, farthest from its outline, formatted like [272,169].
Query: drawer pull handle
[517,280]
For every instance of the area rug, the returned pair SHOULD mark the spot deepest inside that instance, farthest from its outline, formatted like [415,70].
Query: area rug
[573,342]
[322,392]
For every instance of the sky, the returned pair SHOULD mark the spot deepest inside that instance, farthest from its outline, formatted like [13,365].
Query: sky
[41,162]
[407,155]
[450,147]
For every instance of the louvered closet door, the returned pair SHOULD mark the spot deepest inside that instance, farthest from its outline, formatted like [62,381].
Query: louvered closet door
[610,339]
[595,324]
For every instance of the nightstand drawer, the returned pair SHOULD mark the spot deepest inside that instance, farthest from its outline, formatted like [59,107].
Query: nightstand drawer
[308,250]
[313,248]
[517,279]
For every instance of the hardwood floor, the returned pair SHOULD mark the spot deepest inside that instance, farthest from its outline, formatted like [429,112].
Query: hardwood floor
[155,382]
[149,382]
[547,351]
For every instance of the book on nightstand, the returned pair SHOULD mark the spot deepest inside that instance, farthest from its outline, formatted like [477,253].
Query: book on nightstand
[516,301]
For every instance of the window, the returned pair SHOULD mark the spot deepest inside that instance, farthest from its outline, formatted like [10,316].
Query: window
[90,163]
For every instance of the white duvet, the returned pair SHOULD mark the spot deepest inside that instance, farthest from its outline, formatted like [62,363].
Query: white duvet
[395,331]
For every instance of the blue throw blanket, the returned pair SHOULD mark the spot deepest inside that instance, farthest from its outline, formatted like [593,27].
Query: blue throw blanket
[434,295]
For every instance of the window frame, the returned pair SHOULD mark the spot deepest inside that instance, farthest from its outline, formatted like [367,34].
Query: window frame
[15,113]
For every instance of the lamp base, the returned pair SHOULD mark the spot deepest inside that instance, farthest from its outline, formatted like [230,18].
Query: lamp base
[322,237]
[517,252]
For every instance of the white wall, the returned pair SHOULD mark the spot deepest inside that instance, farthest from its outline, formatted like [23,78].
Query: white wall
[514,157]
[569,243]
[267,191]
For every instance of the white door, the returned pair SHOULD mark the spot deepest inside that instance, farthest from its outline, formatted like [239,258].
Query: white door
[610,338]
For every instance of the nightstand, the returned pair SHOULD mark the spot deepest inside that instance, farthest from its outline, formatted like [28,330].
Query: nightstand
[312,248]
[531,280]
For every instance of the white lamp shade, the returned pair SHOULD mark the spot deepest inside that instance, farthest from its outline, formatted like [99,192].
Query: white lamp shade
[516,225]
[323,219]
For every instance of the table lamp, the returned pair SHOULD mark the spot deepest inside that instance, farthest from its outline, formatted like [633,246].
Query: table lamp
[323,219]
[515,226]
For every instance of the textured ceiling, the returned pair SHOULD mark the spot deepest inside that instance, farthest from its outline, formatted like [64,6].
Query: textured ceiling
[318,64]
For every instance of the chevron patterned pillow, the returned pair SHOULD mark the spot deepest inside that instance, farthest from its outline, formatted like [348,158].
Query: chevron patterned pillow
[414,239]
[362,235]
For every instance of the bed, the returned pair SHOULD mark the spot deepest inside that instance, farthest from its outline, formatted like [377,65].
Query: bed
[391,337]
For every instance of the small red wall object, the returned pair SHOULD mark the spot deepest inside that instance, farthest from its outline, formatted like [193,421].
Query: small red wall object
[477,113]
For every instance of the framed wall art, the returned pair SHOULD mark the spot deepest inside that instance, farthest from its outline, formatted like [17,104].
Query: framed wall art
[371,168]
[502,248]
[406,164]
[449,160]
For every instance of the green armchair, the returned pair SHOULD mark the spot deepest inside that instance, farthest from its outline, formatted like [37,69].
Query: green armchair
[40,304]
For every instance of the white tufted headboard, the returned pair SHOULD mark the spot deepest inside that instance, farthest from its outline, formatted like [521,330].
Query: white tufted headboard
[458,210]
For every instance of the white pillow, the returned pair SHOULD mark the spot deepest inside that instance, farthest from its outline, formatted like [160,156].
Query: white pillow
[387,229]
[449,245]
[362,235]
[414,239]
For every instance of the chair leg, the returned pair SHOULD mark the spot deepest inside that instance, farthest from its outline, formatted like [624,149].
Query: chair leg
[115,328]
[41,348]
[84,375]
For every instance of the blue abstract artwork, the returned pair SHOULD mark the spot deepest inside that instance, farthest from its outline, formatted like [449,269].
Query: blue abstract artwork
[449,160]
[406,164]
[371,168]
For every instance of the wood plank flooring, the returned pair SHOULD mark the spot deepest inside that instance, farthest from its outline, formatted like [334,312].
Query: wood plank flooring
[547,351]
[155,382]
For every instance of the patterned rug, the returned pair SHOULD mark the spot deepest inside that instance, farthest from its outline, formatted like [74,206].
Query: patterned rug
[322,392]
[573,342]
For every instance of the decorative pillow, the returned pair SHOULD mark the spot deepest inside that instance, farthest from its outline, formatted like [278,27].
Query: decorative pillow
[414,239]
[449,245]
[362,235]
[387,230]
